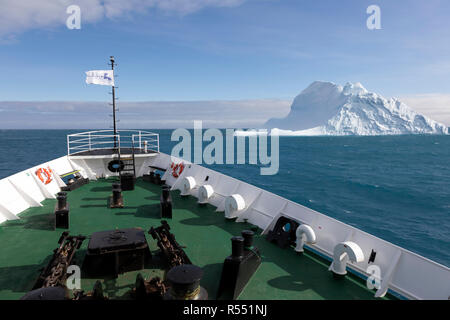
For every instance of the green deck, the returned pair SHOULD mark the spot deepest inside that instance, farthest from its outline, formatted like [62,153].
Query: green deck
[27,245]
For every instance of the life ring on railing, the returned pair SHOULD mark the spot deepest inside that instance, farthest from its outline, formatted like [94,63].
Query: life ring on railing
[116,165]
[177,169]
[45,175]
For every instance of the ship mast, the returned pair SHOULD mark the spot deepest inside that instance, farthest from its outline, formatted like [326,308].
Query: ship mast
[114,104]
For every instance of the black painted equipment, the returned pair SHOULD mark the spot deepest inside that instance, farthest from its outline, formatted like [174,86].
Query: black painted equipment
[128,172]
[149,177]
[153,289]
[116,201]
[283,234]
[95,294]
[154,177]
[116,251]
[373,254]
[74,183]
[239,267]
[185,283]
[48,293]
[248,239]
[127,181]
[62,211]
[55,273]
[171,251]
[166,202]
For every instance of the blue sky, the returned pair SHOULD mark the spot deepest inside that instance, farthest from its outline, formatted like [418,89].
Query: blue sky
[242,49]
[259,49]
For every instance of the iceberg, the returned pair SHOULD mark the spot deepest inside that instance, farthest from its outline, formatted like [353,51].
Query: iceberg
[325,108]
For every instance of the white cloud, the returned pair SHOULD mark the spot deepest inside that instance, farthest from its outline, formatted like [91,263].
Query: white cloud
[17,16]
[175,114]
[434,105]
[150,115]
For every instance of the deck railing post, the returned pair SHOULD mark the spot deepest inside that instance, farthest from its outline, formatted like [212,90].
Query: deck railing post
[89,141]
[139,139]
[68,144]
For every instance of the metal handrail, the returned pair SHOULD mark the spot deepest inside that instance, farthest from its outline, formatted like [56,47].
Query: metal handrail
[94,140]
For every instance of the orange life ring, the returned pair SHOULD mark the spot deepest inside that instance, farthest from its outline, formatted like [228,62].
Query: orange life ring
[45,175]
[177,169]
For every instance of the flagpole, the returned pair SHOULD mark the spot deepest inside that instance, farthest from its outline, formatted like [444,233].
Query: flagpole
[114,104]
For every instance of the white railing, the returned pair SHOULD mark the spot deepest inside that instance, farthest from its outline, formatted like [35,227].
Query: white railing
[106,139]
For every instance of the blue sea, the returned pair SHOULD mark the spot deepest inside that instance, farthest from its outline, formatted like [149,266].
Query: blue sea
[394,187]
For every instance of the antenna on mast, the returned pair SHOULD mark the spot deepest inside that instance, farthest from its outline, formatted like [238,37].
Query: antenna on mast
[111,59]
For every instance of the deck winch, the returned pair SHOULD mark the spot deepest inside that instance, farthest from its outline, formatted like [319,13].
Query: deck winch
[182,283]
[185,283]
[55,273]
[172,252]
[114,252]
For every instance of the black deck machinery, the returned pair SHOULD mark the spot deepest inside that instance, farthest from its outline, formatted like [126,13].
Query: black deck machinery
[171,251]
[74,181]
[283,234]
[183,278]
[51,283]
[62,211]
[116,200]
[165,202]
[114,252]
[153,176]
[184,283]
[239,267]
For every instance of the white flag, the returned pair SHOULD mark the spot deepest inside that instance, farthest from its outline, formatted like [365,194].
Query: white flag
[102,77]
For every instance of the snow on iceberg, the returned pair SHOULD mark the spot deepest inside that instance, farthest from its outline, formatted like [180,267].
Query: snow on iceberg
[325,108]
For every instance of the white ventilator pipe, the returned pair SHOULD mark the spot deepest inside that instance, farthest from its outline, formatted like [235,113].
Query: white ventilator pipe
[304,232]
[343,252]
[233,204]
[187,185]
[204,193]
